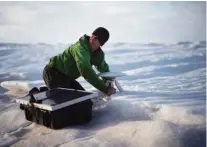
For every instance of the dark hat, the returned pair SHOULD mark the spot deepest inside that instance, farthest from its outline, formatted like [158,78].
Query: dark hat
[102,35]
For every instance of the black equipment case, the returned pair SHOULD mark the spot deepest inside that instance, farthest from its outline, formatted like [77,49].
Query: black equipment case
[58,108]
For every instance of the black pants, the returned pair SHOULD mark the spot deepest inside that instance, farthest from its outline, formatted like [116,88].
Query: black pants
[54,79]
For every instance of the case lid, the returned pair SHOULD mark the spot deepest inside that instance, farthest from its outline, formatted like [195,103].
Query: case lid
[57,98]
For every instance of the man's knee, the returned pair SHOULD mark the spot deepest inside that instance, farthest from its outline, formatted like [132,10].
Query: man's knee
[76,85]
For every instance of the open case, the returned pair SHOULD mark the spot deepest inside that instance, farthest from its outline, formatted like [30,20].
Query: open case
[58,108]
[61,107]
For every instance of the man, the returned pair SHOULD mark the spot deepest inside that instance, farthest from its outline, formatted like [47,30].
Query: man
[77,60]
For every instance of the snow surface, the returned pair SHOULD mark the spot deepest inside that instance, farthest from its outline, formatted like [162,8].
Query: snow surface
[164,103]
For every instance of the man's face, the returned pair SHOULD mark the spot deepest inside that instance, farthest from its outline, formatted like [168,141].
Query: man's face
[95,42]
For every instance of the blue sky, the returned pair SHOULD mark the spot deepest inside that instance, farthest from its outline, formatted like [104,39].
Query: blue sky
[136,21]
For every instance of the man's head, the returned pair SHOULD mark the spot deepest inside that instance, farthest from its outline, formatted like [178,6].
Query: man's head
[99,37]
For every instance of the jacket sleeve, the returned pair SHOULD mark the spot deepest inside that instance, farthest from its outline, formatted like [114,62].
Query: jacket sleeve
[82,58]
[103,66]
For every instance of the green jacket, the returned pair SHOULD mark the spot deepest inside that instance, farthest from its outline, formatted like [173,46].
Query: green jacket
[78,59]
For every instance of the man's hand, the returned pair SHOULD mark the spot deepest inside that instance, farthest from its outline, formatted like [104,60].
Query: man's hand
[111,90]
